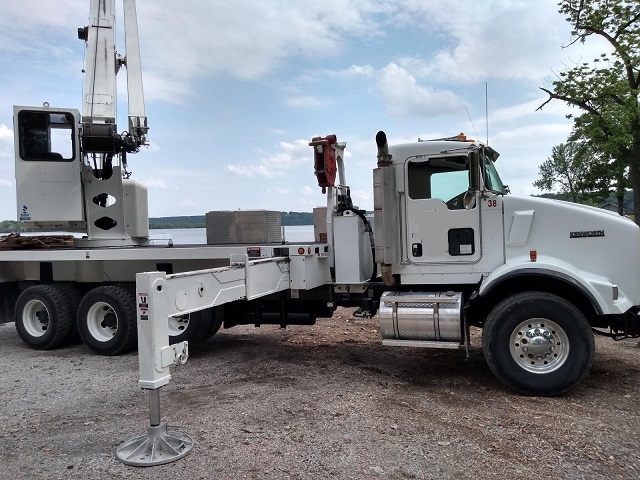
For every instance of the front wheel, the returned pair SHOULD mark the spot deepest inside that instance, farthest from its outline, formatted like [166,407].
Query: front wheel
[107,320]
[538,343]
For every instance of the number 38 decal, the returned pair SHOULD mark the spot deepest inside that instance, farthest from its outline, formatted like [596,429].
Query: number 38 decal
[492,203]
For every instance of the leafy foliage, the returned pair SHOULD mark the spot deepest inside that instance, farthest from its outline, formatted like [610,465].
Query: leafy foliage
[9,226]
[627,203]
[565,171]
[606,91]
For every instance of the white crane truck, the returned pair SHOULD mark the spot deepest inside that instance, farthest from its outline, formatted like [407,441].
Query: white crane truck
[450,247]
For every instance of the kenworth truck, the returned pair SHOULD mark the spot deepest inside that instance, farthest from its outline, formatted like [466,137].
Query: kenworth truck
[450,248]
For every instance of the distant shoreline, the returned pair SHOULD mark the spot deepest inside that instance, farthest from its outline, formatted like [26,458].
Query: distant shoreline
[167,223]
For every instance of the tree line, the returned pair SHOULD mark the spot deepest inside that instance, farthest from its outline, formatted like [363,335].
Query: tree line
[198,221]
[193,221]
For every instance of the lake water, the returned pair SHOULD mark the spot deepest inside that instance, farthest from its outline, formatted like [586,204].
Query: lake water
[182,236]
[198,236]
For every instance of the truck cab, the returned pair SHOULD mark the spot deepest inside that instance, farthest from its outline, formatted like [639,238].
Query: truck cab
[536,274]
[448,196]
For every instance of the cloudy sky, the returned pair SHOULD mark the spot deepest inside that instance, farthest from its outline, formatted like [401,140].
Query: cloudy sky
[235,90]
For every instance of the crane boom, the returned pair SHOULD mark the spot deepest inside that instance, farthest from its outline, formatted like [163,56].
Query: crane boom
[99,99]
[137,119]
[71,167]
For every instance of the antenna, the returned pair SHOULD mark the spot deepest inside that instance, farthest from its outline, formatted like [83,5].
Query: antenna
[486,107]
[474,127]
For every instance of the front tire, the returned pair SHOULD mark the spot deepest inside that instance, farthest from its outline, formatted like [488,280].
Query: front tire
[538,343]
[107,320]
[43,317]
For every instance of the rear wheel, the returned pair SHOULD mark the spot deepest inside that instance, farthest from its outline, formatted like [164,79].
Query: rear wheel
[107,320]
[196,326]
[538,343]
[43,317]
[216,322]
[74,297]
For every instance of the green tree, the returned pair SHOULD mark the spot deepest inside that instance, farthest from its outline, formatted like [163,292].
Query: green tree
[606,90]
[565,171]
[608,174]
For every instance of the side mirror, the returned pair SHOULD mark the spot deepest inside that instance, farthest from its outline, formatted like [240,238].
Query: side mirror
[469,199]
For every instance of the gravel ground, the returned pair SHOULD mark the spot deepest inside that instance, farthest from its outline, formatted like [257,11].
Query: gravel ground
[316,402]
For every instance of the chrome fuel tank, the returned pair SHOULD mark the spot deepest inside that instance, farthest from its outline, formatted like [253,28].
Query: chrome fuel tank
[424,316]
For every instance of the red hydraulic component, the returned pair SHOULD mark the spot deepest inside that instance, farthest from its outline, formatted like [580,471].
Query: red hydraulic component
[324,160]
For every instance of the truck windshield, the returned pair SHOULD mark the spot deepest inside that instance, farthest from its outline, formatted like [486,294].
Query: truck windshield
[491,177]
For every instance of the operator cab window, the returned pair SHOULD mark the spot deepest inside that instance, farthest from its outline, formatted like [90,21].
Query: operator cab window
[444,178]
[46,136]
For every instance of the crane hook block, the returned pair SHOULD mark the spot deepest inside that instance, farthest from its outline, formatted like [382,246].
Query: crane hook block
[324,160]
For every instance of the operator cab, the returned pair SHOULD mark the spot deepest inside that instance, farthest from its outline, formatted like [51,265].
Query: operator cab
[48,167]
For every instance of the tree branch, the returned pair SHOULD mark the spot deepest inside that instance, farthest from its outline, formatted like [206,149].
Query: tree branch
[624,26]
[616,46]
[578,103]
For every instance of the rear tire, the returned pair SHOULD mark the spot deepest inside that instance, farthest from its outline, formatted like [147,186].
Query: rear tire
[538,343]
[216,322]
[107,320]
[196,327]
[43,317]
[74,297]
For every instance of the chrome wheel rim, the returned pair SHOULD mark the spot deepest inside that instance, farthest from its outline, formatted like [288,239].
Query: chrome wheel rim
[539,345]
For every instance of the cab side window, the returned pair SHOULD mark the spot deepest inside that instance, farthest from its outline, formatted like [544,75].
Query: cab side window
[446,179]
[46,136]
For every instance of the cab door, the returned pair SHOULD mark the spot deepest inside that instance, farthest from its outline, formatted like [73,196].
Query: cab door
[48,166]
[442,212]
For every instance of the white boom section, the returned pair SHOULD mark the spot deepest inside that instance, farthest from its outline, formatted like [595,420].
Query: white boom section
[99,101]
[160,296]
[137,119]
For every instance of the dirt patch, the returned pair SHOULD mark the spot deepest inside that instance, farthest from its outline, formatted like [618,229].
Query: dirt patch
[317,402]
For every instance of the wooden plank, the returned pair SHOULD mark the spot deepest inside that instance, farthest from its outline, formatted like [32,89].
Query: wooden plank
[15,241]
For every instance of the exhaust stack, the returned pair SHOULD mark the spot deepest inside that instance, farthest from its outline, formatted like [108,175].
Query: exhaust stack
[385,212]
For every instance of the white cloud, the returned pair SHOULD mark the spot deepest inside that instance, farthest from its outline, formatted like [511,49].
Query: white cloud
[495,39]
[6,142]
[252,171]
[5,183]
[156,183]
[5,132]
[545,134]
[403,95]
[243,39]
[186,202]
[23,23]
[364,70]
[361,197]
[291,155]
[306,101]
[527,110]
[491,39]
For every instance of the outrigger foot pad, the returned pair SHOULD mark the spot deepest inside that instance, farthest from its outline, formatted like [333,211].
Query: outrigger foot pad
[155,448]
